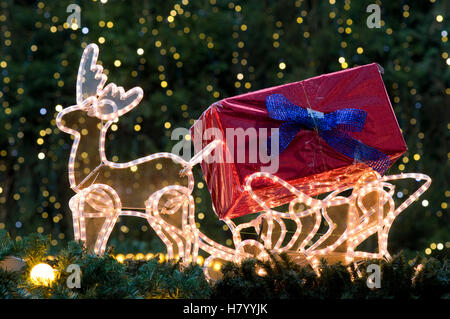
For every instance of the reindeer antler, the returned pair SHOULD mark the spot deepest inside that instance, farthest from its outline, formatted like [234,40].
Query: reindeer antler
[90,79]
[111,101]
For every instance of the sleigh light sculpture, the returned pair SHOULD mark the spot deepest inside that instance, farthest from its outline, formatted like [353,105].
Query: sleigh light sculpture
[106,190]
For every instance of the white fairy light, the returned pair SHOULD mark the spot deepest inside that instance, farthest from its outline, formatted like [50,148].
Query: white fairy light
[184,242]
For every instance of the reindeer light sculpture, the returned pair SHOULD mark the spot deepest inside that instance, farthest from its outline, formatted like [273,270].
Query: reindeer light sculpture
[170,209]
[101,200]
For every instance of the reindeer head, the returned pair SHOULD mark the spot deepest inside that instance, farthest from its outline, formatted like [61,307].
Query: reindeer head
[99,102]
[103,102]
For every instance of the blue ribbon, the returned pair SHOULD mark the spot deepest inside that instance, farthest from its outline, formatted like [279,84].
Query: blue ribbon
[332,128]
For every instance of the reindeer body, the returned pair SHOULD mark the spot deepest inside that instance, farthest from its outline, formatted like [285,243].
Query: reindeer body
[112,189]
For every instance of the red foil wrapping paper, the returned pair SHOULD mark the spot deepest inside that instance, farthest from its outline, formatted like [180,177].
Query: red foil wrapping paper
[308,163]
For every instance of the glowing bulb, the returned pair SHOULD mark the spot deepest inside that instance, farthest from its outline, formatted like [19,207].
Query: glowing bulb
[139,256]
[217,266]
[42,274]
[149,256]
[261,272]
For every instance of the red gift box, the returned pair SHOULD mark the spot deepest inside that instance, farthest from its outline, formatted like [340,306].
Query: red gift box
[309,163]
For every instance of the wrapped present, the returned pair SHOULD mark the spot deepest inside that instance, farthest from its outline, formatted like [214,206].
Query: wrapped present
[331,129]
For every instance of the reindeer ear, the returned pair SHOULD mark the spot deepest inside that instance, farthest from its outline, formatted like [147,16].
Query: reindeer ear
[114,101]
[90,80]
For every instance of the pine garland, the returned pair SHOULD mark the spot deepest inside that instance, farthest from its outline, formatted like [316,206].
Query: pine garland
[104,277]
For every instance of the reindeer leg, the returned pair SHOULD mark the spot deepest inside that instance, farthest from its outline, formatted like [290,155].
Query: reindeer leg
[101,237]
[193,229]
[157,228]
[154,223]
[74,207]
[186,229]
[81,218]
[195,247]
[105,232]
[177,237]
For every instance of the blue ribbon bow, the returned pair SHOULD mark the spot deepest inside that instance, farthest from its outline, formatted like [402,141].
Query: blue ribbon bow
[332,128]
